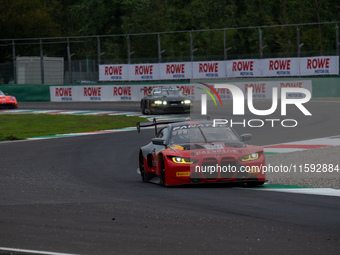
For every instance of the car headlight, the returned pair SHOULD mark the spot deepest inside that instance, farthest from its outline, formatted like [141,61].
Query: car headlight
[250,157]
[158,102]
[187,101]
[181,160]
[165,102]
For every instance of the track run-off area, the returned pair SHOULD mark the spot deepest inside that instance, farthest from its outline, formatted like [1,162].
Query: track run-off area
[80,193]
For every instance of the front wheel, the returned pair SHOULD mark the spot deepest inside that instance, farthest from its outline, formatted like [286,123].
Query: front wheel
[255,184]
[142,169]
[163,176]
[142,106]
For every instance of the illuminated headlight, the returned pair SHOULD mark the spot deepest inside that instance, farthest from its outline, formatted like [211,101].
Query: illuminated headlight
[158,102]
[187,101]
[165,102]
[181,160]
[250,157]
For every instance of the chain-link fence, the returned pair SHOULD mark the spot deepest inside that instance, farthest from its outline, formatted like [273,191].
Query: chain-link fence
[80,56]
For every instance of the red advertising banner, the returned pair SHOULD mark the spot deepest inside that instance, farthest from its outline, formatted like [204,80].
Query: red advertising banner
[176,71]
[280,67]
[275,67]
[213,69]
[114,72]
[143,72]
[319,65]
[260,90]
[244,68]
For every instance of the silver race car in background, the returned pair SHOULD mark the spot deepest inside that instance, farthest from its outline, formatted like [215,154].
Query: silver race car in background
[165,100]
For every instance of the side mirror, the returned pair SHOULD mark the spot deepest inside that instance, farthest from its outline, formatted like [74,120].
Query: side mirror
[158,141]
[246,137]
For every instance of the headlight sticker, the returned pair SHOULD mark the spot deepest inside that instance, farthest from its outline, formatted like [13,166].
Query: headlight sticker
[250,157]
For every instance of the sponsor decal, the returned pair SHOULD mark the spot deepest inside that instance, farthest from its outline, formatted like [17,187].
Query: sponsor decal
[93,93]
[144,71]
[115,72]
[123,92]
[64,93]
[319,65]
[213,146]
[182,174]
[176,70]
[324,65]
[245,68]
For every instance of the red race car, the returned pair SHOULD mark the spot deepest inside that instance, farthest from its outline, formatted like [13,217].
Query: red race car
[199,152]
[7,101]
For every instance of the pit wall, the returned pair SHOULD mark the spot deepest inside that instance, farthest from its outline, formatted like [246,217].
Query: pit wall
[322,87]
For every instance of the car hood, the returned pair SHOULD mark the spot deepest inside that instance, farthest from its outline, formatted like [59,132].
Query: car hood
[6,97]
[171,98]
[236,149]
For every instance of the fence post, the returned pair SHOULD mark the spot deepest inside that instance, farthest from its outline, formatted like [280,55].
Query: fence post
[69,61]
[128,49]
[14,63]
[42,63]
[337,39]
[159,49]
[224,45]
[260,39]
[99,53]
[261,47]
[191,48]
[298,41]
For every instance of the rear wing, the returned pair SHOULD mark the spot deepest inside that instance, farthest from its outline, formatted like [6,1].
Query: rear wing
[154,123]
[148,91]
[143,89]
[149,88]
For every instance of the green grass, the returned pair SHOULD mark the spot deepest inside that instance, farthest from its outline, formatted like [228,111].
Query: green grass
[22,126]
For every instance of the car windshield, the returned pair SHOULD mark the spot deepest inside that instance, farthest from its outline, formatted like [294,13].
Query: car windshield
[167,92]
[202,135]
[2,93]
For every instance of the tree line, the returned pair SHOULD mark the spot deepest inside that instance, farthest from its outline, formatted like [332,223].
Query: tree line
[62,18]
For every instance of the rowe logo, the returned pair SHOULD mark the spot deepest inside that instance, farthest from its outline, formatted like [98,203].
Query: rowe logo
[238,100]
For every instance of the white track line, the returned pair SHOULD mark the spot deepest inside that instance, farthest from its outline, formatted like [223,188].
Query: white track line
[303,145]
[33,251]
[309,191]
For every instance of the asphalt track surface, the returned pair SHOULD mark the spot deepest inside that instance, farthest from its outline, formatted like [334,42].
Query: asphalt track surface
[82,195]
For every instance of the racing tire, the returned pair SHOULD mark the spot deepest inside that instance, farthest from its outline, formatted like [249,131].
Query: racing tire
[150,112]
[143,174]
[163,176]
[255,184]
[142,106]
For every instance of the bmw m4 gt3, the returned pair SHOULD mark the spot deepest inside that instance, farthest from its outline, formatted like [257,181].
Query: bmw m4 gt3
[200,152]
